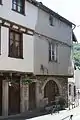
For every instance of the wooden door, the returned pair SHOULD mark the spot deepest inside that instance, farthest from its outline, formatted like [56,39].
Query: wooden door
[14,99]
[32,96]
[0,97]
[51,91]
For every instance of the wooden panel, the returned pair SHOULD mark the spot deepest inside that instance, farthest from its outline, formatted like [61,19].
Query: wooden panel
[32,96]
[51,91]
[14,98]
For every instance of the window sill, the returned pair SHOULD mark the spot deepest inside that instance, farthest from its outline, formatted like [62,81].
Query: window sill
[51,25]
[19,12]
[15,57]
[51,61]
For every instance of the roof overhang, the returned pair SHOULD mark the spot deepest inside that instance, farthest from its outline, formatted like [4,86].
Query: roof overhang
[48,10]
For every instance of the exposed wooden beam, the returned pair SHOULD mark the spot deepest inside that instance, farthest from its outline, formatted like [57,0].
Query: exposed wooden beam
[16,26]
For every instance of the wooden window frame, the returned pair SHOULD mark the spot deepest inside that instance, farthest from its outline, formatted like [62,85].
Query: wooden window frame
[53,52]
[17,5]
[21,44]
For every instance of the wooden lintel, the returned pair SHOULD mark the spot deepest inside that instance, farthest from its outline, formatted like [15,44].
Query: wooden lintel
[15,24]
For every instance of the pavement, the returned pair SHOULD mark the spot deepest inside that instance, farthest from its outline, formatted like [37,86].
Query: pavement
[62,115]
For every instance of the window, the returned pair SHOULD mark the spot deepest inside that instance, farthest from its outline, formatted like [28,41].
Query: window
[15,44]
[74,91]
[18,5]
[0,1]
[69,89]
[51,20]
[52,52]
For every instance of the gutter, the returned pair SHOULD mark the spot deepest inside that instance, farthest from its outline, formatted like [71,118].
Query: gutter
[74,27]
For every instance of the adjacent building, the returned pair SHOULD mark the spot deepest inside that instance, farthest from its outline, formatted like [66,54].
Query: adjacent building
[35,56]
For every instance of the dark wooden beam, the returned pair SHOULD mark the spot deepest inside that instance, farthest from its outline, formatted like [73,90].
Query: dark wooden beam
[17,25]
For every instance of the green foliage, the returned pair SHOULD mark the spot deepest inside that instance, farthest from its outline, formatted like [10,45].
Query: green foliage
[26,81]
[76,54]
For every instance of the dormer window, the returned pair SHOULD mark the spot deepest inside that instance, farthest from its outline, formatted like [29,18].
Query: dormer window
[18,6]
[51,20]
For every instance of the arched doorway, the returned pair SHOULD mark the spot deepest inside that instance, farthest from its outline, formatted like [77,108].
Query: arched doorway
[51,90]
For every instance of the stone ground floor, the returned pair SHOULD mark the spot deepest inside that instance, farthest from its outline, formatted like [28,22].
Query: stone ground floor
[17,97]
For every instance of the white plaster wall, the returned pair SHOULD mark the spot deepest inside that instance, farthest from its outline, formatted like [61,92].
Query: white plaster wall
[71,97]
[60,31]
[27,20]
[77,78]
[7,63]
[41,56]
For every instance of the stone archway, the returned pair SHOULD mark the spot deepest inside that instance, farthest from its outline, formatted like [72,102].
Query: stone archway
[51,90]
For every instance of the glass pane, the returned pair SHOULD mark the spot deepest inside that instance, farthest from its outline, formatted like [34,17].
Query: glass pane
[17,37]
[17,49]
[14,6]
[11,52]
[53,53]
[0,1]
[14,1]
[19,9]
[20,2]
[11,35]
[53,58]
[16,44]
[49,55]
[11,42]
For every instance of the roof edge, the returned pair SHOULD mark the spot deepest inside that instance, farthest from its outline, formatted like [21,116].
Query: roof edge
[48,10]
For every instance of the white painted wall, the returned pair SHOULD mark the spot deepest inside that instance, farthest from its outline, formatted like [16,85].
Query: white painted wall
[7,63]
[60,31]
[77,78]
[41,56]
[71,97]
[29,20]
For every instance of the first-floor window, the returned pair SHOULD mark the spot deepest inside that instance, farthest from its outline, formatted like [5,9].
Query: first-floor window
[74,91]
[15,44]
[52,52]
[69,89]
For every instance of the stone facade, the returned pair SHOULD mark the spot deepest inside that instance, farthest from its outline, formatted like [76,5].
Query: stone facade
[61,83]
[40,85]
[40,100]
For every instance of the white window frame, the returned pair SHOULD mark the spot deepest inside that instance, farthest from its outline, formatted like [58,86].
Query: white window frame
[52,52]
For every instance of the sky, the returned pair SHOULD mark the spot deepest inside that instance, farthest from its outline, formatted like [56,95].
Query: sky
[70,9]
